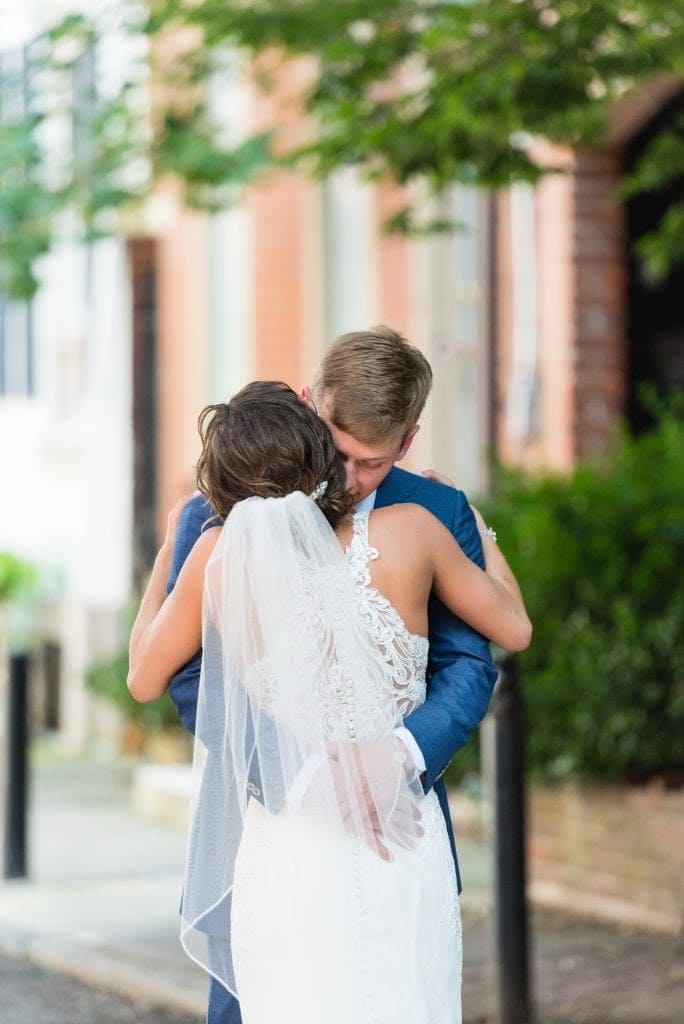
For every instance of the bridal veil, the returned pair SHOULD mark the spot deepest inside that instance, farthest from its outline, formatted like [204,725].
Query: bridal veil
[296,711]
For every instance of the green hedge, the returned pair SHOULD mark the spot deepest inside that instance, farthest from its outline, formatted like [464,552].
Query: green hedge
[600,558]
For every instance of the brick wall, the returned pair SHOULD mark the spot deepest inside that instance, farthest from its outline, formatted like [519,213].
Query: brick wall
[284,211]
[278,213]
[610,852]
[181,356]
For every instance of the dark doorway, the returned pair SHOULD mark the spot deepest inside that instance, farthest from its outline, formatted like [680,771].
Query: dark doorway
[144,292]
[655,308]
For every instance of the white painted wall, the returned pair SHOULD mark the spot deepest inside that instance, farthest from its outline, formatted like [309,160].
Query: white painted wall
[66,451]
[66,456]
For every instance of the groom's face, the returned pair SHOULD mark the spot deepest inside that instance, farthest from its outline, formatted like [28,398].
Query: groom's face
[366,465]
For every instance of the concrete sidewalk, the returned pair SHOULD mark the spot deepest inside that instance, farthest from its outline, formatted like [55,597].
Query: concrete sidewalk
[102,899]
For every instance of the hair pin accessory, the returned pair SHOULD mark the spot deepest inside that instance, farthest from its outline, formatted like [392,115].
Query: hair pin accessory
[319,490]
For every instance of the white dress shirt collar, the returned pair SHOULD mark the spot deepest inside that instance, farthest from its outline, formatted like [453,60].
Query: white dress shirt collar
[366,504]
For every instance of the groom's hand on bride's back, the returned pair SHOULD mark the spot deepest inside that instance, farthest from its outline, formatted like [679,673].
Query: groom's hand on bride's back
[391,787]
[173,518]
[374,790]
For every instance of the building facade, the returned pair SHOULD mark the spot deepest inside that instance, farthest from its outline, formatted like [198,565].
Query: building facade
[535,317]
[66,440]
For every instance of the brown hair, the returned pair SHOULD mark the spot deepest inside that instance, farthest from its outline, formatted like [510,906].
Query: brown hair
[267,442]
[375,382]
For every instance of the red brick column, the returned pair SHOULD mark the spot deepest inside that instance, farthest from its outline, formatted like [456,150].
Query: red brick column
[181,354]
[278,217]
[280,213]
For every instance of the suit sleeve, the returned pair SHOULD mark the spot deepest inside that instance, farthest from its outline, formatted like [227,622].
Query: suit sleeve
[461,673]
[184,686]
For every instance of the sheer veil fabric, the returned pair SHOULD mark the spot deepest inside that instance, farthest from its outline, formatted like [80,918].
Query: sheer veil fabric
[288,876]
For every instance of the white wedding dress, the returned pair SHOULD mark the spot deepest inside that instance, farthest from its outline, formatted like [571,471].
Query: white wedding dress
[319,929]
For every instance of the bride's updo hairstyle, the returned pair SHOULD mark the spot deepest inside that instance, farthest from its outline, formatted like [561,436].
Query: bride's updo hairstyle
[267,442]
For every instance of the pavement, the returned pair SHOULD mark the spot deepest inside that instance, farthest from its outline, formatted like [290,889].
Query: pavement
[101,900]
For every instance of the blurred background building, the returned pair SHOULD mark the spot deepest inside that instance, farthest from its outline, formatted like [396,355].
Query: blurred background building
[66,448]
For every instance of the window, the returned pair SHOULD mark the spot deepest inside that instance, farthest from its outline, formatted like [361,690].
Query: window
[16,347]
[16,319]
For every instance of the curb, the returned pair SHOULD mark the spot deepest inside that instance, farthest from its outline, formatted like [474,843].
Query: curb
[99,970]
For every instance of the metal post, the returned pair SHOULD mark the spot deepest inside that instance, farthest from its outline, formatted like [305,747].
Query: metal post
[51,667]
[17,769]
[509,857]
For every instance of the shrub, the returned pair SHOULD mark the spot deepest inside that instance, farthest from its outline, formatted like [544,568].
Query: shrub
[599,556]
[17,577]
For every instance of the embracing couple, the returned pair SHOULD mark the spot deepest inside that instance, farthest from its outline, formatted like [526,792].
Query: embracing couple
[321,618]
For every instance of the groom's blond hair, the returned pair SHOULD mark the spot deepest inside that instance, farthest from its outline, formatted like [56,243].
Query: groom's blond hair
[375,384]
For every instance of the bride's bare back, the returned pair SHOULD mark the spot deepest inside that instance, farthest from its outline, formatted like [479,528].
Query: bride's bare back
[402,572]
[417,555]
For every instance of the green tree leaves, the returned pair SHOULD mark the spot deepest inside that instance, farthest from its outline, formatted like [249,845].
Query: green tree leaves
[423,91]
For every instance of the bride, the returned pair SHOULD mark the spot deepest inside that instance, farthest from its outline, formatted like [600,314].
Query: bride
[319,886]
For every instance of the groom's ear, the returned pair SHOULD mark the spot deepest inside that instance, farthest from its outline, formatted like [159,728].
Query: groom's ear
[406,443]
[307,399]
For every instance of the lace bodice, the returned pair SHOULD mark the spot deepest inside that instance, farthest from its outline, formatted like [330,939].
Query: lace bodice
[405,653]
[350,694]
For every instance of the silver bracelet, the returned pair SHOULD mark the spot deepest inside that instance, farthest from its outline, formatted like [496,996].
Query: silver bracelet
[488,533]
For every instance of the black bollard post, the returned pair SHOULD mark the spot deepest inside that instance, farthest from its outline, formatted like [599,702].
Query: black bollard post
[509,857]
[17,769]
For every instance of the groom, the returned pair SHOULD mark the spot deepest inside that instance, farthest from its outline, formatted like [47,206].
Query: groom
[370,389]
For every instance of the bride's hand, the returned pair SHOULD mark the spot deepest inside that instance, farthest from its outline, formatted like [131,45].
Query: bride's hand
[439,478]
[479,519]
[173,517]
[375,789]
